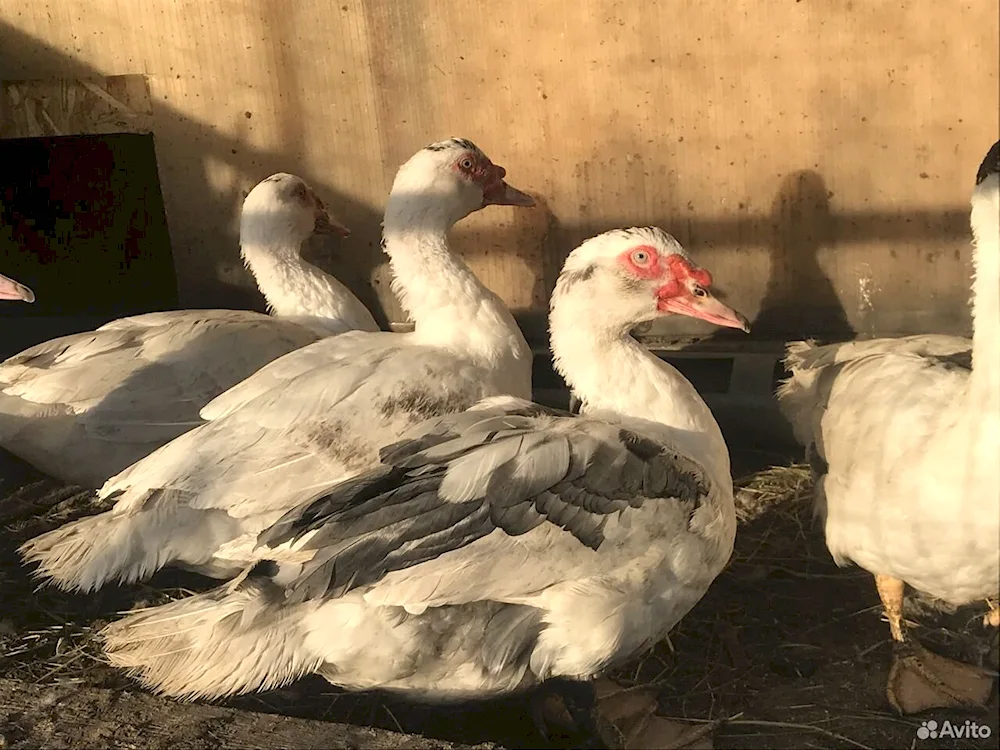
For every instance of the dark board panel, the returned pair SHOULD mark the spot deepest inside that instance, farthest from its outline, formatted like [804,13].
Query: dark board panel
[82,223]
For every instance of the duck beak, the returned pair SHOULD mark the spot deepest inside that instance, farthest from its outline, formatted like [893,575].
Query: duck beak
[326,224]
[499,193]
[505,195]
[706,308]
[10,289]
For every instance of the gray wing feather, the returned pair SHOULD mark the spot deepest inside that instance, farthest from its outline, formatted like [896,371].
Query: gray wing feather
[508,474]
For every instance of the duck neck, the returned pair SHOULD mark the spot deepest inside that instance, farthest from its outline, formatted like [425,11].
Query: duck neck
[299,291]
[448,305]
[430,281]
[608,369]
[984,384]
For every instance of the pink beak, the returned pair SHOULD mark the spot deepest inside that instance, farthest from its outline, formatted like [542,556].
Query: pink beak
[499,193]
[706,308]
[10,289]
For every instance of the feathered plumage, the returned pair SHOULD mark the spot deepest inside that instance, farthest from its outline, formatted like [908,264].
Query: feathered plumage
[84,407]
[491,548]
[902,435]
[318,414]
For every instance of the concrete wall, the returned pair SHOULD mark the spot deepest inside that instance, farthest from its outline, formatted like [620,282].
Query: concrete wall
[818,157]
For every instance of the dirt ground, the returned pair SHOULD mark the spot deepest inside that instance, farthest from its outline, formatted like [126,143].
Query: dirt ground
[785,651]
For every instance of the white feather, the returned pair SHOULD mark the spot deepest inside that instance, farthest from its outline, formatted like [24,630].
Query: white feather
[909,441]
[318,414]
[499,613]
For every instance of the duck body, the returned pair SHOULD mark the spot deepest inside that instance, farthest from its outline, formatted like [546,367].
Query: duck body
[84,407]
[330,427]
[318,414]
[900,487]
[902,435]
[490,549]
[591,578]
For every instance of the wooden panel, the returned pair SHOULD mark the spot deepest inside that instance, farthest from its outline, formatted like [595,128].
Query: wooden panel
[817,156]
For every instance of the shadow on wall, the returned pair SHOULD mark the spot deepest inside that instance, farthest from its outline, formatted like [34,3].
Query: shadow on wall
[801,226]
[799,299]
[787,230]
[191,148]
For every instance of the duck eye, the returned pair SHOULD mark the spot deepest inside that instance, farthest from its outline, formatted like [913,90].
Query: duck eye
[699,292]
[640,257]
[466,163]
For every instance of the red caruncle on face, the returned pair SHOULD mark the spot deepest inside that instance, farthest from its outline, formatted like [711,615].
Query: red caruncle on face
[646,262]
[480,170]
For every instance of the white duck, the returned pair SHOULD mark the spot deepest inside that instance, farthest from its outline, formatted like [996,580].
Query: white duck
[319,414]
[84,407]
[903,437]
[12,290]
[497,547]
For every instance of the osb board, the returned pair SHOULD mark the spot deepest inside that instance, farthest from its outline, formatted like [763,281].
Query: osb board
[818,157]
[119,104]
